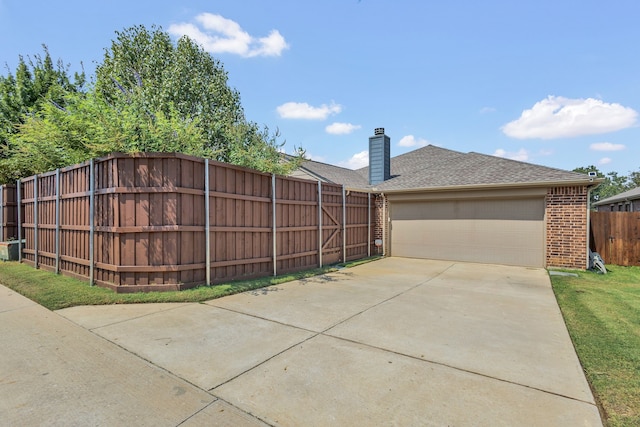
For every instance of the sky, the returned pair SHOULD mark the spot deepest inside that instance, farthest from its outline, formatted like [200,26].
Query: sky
[550,82]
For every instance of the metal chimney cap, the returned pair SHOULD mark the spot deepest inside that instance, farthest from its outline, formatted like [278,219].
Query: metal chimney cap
[378,131]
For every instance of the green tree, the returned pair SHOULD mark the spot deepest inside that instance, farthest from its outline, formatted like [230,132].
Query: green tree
[37,82]
[183,81]
[634,179]
[612,184]
[149,95]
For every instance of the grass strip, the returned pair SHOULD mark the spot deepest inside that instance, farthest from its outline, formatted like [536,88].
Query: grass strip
[602,314]
[57,291]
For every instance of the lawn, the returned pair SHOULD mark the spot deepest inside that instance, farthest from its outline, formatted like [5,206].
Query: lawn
[57,291]
[602,313]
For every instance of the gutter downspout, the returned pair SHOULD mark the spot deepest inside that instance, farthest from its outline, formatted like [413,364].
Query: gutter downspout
[589,189]
[384,224]
[588,225]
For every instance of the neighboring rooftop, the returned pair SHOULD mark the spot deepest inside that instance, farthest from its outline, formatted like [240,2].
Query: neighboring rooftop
[434,167]
[330,173]
[633,194]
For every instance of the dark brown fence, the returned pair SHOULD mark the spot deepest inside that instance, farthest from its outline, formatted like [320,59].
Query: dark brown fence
[616,237]
[8,213]
[140,222]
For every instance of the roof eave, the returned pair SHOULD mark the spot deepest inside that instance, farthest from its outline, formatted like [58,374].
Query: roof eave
[611,201]
[538,184]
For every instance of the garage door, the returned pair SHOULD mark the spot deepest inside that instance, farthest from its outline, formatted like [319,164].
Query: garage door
[499,231]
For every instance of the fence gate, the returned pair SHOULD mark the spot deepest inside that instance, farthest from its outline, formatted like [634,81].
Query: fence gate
[332,220]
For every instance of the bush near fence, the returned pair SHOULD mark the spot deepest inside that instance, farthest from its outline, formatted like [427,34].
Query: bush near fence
[138,222]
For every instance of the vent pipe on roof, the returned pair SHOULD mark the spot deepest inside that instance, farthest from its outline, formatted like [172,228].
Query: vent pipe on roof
[379,157]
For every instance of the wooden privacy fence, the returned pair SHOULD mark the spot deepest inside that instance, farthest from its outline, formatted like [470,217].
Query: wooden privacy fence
[169,221]
[8,213]
[616,237]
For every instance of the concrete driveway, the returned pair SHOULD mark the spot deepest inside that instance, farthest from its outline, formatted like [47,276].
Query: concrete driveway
[392,342]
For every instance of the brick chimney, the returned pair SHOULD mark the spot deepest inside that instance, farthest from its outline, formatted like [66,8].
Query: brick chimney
[379,157]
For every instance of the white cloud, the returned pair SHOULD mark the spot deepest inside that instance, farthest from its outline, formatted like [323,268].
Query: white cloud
[606,146]
[605,161]
[520,155]
[412,141]
[559,117]
[357,161]
[487,110]
[302,110]
[341,128]
[218,34]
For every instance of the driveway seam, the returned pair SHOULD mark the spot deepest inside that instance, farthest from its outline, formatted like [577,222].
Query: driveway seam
[163,369]
[456,368]
[263,362]
[315,334]
[211,304]
[389,299]
[130,318]
[219,399]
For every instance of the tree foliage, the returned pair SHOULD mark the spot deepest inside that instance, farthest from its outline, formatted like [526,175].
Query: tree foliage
[149,94]
[183,81]
[613,182]
[36,82]
[89,127]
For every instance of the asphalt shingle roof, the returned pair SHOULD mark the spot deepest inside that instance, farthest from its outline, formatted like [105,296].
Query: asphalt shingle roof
[633,194]
[336,174]
[434,167]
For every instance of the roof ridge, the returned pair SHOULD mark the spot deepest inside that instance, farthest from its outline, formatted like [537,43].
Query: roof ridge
[525,163]
[328,164]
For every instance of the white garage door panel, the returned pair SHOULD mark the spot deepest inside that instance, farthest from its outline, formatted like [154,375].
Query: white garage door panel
[496,231]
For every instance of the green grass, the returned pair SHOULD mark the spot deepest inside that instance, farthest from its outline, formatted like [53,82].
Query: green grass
[58,291]
[602,313]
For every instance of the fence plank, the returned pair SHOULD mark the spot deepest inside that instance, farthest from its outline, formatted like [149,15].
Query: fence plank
[616,237]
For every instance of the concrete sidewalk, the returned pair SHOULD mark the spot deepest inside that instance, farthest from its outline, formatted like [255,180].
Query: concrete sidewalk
[393,342]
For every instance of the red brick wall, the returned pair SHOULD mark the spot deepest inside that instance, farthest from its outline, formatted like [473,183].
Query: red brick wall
[380,229]
[566,214]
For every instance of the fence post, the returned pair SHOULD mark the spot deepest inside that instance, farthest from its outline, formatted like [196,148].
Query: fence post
[320,222]
[57,220]
[344,225]
[207,222]
[19,201]
[368,224]
[35,220]
[92,213]
[273,203]
[2,187]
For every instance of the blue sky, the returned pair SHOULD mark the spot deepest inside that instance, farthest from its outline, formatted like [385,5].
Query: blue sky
[555,83]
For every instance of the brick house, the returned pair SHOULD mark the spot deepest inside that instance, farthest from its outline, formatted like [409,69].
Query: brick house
[627,201]
[442,204]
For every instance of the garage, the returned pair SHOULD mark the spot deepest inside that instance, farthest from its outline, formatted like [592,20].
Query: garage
[507,231]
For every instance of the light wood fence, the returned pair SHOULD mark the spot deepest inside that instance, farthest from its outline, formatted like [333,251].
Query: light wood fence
[616,237]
